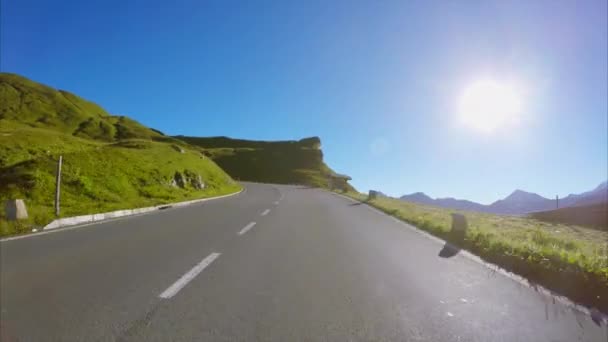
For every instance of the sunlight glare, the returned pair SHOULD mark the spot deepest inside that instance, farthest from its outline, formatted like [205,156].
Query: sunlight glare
[488,105]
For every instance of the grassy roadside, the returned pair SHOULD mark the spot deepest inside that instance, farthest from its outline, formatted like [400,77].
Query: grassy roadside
[25,226]
[43,214]
[570,260]
[99,177]
[110,162]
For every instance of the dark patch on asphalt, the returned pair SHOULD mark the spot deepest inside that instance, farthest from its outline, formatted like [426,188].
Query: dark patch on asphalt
[139,325]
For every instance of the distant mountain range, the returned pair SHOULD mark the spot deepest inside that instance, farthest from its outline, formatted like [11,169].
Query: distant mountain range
[518,202]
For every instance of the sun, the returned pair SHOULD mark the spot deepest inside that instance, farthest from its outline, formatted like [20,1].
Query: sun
[488,105]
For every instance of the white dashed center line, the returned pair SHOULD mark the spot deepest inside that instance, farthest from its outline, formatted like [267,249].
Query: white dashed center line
[247,227]
[265,212]
[186,278]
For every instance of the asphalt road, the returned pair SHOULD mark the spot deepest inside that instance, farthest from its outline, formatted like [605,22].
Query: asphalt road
[313,267]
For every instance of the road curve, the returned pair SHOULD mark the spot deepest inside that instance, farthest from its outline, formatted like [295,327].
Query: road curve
[274,263]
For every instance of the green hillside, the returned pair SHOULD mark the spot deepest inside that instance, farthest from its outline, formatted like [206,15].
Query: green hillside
[31,104]
[110,162]
[284,162]
[591,215]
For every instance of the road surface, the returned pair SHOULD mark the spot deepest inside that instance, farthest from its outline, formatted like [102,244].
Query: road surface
[274,263]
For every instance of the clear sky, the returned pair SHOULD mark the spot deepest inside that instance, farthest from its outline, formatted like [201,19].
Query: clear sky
[381,83]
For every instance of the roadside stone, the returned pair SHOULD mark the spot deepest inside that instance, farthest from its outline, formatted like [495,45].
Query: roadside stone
[179,180]
[15,210]
[198,183]
[178,149]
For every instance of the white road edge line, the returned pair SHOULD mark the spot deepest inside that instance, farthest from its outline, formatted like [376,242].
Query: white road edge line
[265,212]
[186,278]
[247,227]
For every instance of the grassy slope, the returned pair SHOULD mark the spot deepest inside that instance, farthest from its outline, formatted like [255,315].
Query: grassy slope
[591,215]
[110,162]
[568,259]
[299,162]
[27,103]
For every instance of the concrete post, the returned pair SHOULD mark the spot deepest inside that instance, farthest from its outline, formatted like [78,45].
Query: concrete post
[15,210]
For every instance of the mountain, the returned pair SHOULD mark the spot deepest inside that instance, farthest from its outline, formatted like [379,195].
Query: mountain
[459,204]
[422,198]
[109,162]
[284,162]
[418,197]
[597,195]
[518,202]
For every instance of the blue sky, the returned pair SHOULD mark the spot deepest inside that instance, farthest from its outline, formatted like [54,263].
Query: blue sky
[378,81]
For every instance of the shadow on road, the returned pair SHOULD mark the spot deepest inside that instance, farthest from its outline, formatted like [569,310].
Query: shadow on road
[448,250]
[457,233]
